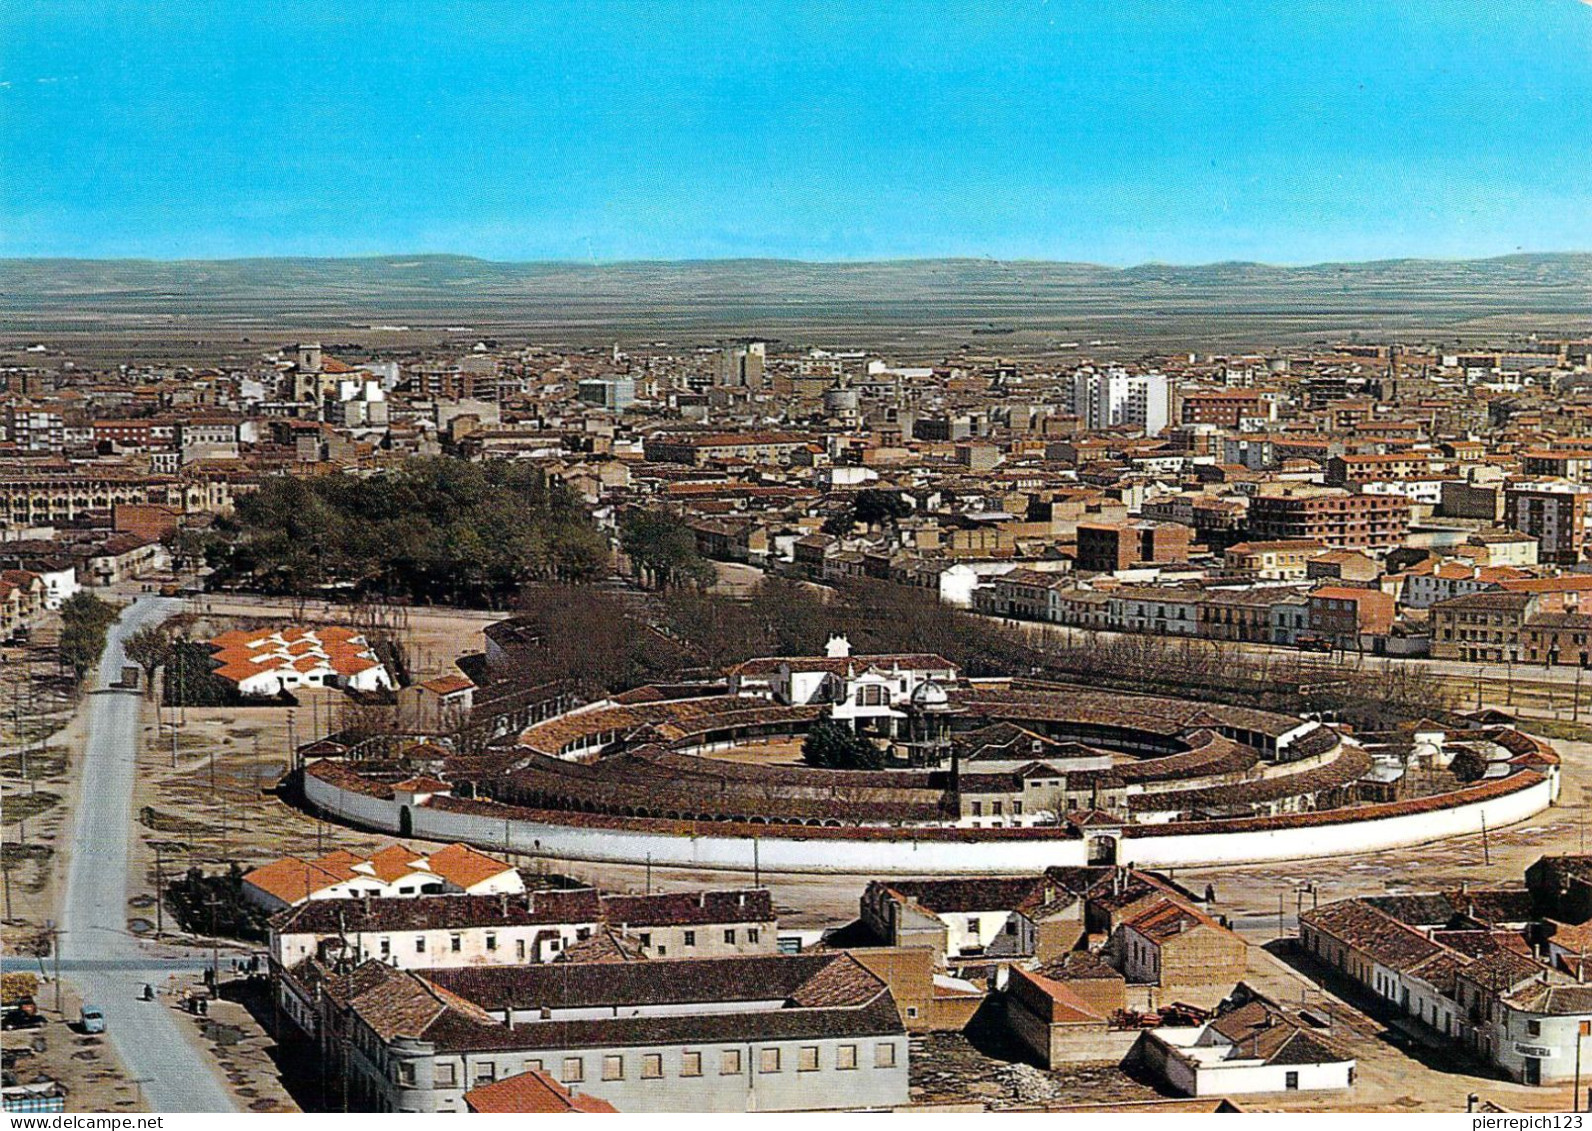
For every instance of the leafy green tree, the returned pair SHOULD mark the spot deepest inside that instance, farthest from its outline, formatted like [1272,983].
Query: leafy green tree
[85,619]
[871,507]
[832,746]
[662,547]
[877,508]
[149,648]
[430,530]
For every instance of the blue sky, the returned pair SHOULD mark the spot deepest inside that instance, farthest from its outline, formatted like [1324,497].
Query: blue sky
[1113,131]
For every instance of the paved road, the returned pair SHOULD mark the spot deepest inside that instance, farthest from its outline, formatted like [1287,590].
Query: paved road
[107,962]
[146,964]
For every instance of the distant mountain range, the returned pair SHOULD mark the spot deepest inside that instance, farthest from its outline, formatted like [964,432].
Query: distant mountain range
[1037,302]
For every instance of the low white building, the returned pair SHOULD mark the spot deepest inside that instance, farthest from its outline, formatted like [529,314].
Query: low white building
[857,687]
[269,661]
[1255,1048]
[435,932]
[394,872]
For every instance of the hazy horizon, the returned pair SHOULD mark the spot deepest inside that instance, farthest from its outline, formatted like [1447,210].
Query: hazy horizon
[806,262]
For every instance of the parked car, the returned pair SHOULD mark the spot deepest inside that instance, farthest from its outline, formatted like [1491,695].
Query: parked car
[23,1014]
[92,1019]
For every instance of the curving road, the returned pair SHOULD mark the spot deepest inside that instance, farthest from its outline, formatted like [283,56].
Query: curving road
[105,962]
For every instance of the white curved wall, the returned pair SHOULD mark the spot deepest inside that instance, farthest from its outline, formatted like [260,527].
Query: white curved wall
[775,853]
[1338,839]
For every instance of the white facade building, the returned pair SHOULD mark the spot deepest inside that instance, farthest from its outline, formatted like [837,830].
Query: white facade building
[1117,397]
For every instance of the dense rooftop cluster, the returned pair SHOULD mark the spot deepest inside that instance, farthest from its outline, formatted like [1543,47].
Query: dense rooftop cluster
[1352,496]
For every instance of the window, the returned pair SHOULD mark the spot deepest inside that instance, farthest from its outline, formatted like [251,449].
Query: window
[729,937]
[1017,808]
[807,1059]
[491,942]
[420,944]
[406,1072]
[690,938]
[485,1073]
[645,938]
[1290,1081]
[978,808]
[662,950]
[730,1062]
[768,1060]
[444,1074]
[751,934]
[386,948]
[574,1070]
[884,1055]
[531,1066]
[972,926]
[912,1012]
[690,1064]
[1533,1028]
[846,1058]
[651,1066]
[995,809]
[455,943]
[613,1068]
[519,949]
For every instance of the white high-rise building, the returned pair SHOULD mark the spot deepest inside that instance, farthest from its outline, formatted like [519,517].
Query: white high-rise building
[741,366]
[1117,397]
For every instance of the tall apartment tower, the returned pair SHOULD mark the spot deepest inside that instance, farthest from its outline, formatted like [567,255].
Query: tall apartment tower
[1116,397]
[741,366]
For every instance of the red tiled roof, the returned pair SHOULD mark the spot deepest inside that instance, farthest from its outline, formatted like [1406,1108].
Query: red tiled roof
[532,1093]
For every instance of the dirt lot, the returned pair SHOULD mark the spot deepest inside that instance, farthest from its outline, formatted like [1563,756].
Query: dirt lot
[433,637]
[41,732]
[87,1065]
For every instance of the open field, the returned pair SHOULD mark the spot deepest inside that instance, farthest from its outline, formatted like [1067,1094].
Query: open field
[210,310]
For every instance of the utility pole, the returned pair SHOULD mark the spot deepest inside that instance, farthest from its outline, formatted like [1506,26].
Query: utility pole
[55,954]
[160,893]
[215,945]
[1575,1093]
[1282,930]
[1486,856]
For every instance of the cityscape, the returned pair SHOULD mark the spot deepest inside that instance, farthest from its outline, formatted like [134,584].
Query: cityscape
[725,672]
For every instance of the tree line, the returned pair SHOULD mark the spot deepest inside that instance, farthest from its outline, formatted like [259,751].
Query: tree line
[606,642]
[431,530]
